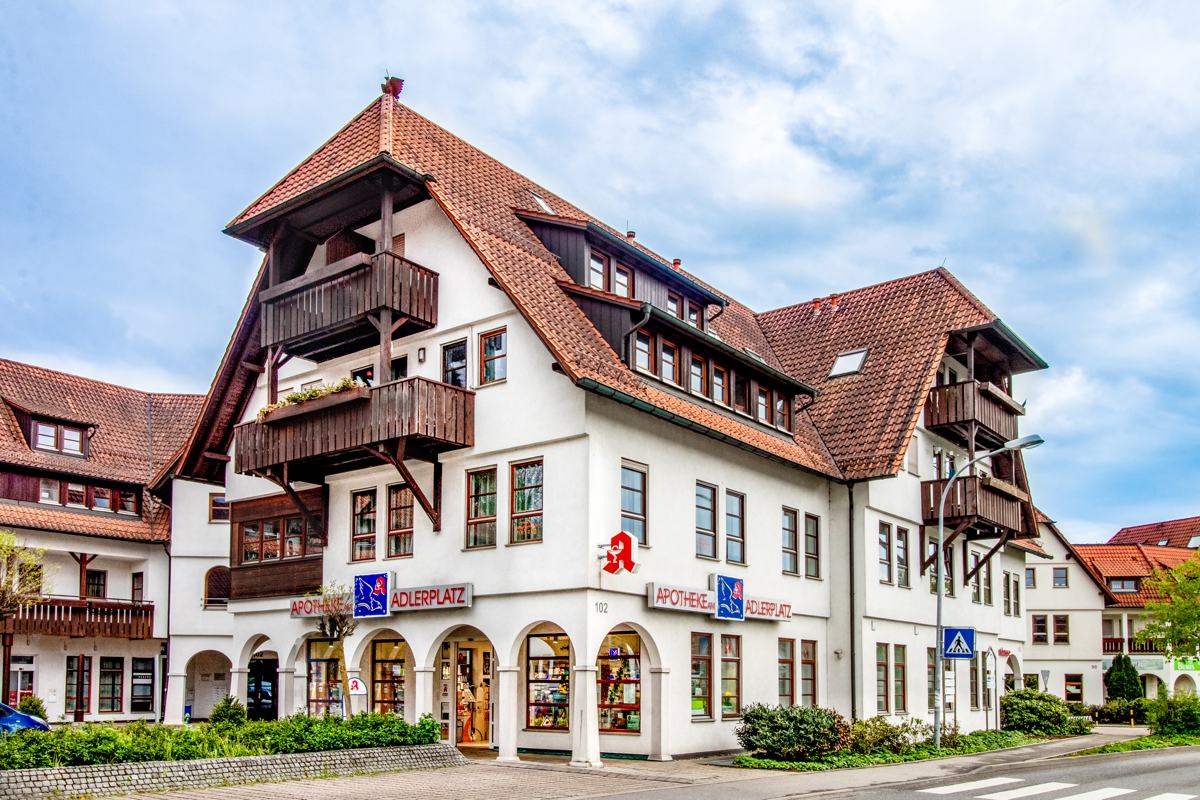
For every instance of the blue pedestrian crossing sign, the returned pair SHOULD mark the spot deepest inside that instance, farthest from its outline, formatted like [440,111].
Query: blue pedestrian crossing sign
[958,642]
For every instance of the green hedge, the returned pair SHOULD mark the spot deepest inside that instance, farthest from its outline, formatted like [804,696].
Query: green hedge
[1175,716]
[964,744]
[792,732]
[94,743]
[1040,714]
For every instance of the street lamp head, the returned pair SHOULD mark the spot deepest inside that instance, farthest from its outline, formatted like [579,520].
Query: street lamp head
[1024,443]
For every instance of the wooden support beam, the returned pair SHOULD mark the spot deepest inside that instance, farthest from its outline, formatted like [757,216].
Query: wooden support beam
[211,456]
[927,561]
[83,560]
[974,570]
[283,482]
[387,204]
[252,367]
[396,459]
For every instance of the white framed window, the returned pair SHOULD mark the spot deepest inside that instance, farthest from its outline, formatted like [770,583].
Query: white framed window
[848,363]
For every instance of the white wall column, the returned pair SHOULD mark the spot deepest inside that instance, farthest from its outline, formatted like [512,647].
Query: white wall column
[299,693]
[176,696]
[286,686]
[660,714]
[422,701]
[508,711]
[1126,634]
[585,718]
[238,683]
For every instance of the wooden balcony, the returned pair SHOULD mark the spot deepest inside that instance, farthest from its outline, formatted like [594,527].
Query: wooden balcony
[950,410]
[1133,646]
[84,618]
[320,438]
[327,312]
[984,504]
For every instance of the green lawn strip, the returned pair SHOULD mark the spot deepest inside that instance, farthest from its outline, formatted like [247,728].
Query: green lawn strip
[1152,742]
[972,743]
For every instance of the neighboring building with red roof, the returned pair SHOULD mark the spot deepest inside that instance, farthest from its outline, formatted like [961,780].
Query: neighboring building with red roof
[76,458]
[1086,604]
[529,381]
[1172,533]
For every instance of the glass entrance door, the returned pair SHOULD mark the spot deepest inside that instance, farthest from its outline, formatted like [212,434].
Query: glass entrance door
[261,688]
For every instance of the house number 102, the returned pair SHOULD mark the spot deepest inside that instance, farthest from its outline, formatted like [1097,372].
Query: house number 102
[601,608]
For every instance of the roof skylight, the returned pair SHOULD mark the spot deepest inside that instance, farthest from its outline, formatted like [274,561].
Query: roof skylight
[1194,541]
[541,201]
[848,363]
[754,355]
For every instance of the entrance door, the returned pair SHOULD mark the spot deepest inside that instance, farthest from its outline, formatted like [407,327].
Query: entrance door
[261,694]
[473,684]
[20,679]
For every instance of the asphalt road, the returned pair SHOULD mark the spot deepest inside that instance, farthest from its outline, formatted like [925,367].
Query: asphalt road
[1171,774]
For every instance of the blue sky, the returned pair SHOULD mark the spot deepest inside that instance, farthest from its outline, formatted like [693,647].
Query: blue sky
[1047,152]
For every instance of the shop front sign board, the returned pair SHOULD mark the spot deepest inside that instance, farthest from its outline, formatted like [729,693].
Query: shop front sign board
[319,605]
[666,597]
[433,598]
[371,594]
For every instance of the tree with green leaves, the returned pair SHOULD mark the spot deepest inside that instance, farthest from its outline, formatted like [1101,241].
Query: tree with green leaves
[1174,623]
[20,586]
[1122,681]
[337,622]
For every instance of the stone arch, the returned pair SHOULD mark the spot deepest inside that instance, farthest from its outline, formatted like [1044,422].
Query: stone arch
[1012,666]
[358,647]
[650,652]
[542,625]
[432,648]
[250,646]
[206,672]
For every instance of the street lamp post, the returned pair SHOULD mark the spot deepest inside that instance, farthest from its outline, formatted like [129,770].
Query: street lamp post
[1023,443]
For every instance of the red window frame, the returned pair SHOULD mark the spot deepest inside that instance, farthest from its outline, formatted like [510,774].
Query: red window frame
[787,672]
[783,411]
[362,542]
[808,658]
[741,393]
[735,526]
[900,678]
[114,701]
[731,654]
[628,274]
[475,502]
[218,507]
[59,431]
[400,521]
[702,678]
[643,345]
[531,515]
[762,406]
[500,357]
[694,315]
[603,262]
[791,541]
[720,389]
[675,305]
[663,346]
[1040,626]
[709,534]
[882,679]
[701,374]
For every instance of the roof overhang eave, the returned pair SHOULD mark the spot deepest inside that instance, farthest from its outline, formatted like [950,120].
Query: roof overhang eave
[1001,330]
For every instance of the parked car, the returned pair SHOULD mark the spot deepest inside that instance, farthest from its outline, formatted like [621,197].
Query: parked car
[12,721]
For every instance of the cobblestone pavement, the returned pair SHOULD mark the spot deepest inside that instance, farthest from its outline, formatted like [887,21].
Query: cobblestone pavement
[479,781]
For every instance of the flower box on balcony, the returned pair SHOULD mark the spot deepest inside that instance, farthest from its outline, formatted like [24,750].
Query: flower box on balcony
[319,404]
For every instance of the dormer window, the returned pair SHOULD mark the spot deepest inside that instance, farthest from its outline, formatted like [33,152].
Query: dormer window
[1194,542]
[675,305]
[848,363]
[693,315]
[58,438]
[622,281]
[1123,585]
[598,272]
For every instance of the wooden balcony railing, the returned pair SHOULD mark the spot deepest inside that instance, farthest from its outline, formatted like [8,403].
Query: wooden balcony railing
[325,312]
[1130,645]
[973,500]
[84,618]
[955,405]
[431,416]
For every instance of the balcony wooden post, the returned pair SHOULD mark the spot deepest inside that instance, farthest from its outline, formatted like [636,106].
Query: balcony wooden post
[396,459]
[83,560]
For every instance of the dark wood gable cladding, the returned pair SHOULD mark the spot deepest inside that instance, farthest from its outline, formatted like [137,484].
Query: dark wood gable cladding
[281,577]
[620,321]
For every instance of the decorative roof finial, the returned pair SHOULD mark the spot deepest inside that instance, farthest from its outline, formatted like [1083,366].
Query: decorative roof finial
[392,86]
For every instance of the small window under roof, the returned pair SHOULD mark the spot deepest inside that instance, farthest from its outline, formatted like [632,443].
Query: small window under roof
[848,363]
[1162,542]
[541,201]
[754,355]
[1194,541]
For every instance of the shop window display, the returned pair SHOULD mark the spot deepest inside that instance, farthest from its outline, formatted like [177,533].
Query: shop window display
[387,693]
[619,685]
[324,686]
[548,659]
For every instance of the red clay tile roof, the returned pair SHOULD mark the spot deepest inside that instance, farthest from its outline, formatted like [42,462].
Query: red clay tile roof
[136,432]
[1176,532]
[858,428]
[1091,571]
[1132,561]
[155,527]
[1030,546]
[867,418]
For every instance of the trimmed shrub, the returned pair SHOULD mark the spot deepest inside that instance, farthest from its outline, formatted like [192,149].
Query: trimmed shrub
[1122,681]
[1116,712]
[792,733]
[877,734]
[32,705]
[229,711]
[1176,716]
[1031,711]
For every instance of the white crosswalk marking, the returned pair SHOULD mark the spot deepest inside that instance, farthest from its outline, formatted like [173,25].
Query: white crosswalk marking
[1027,791]
[970,787]
[1097,794]
[1171,796]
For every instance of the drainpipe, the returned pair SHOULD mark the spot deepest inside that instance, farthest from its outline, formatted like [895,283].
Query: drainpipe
[636,327]
[854,632]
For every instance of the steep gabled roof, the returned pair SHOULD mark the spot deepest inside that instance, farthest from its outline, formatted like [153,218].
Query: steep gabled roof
[1176,533]
[1132,561]
[135,432]
[866,418]
[1074,553]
